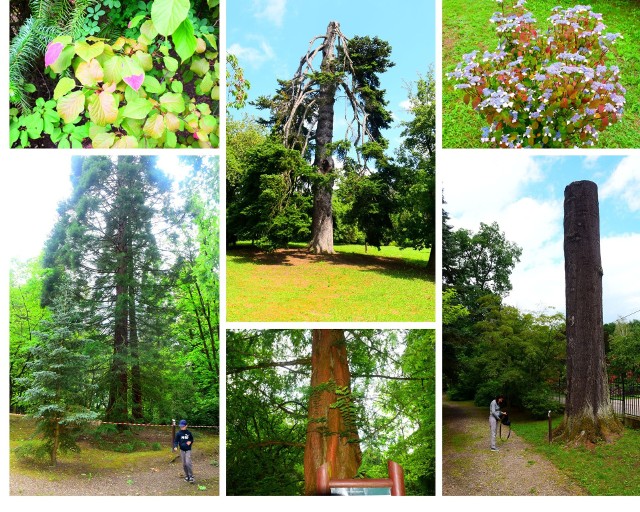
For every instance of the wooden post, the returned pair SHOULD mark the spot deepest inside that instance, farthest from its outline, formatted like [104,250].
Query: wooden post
[396,474]
[550,429]
[173,431]
[322,480]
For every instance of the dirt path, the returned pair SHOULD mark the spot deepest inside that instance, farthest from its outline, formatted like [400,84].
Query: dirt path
[469,468]
[155,476]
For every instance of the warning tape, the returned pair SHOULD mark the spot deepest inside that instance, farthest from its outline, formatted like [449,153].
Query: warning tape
[154,424]
[144,424]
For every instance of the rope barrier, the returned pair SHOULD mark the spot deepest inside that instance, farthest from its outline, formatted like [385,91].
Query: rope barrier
[154,424]
[143,424]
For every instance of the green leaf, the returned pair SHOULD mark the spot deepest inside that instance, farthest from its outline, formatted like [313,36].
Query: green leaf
[200,66]
[64,86]
[184,40]
[88,51]
[172,102]
[176,86]
[151,85]
[149,31]
[64,60]
[206,84]
[103,140]
[154,127]
[71,106]
[137,109]
[89,73]
[126,142]
[145,60]
[103,108]
[171,64]
[136,20]
[170,140]
[113,68]
[168,14]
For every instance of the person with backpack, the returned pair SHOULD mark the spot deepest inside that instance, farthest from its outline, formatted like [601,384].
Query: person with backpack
[495,416]
[184,441]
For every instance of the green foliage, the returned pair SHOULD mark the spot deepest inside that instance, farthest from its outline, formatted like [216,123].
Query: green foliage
[465,30]
[267,399]
[270,205]
[624,354]
[49,19]
[55,391]
[476,264]
[140,90]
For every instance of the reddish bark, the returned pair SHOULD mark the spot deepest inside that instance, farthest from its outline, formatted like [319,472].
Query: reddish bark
[332,436]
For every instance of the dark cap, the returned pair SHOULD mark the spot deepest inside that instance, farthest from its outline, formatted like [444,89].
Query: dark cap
[183,423]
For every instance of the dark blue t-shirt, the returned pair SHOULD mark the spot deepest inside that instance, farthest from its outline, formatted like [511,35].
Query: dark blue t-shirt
[182,436]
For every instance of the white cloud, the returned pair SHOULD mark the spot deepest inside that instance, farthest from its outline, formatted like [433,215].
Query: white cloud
[479,187]
[620,263]
[252,56]
[271,10]
[625,182]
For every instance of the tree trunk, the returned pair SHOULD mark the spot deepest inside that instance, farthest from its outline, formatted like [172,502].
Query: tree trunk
[117,407]
[136,374]
[332,435]
[56,443]
[588,412]
[322,224]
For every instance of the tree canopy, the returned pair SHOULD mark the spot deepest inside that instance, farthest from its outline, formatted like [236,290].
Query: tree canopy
[390,402]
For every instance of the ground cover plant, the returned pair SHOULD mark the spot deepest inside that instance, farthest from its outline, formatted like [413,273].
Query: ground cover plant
[607,469]
[537,92]
[110,462]
[293,285]
[107,75]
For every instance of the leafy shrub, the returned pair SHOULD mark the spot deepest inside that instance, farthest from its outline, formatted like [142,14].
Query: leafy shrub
[156,447]
[552,89]
[539,401]
[154,90]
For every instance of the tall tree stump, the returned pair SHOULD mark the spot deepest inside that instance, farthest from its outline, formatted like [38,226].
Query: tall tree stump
[588,416]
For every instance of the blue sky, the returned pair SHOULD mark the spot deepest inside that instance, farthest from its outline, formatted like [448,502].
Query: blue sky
[525,195]
[270,36]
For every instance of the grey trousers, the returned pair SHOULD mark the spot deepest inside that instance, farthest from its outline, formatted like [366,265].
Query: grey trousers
[186,463]
[493,425]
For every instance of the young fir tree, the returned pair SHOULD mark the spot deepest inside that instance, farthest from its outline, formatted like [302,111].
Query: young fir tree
[57,388]
[302,112]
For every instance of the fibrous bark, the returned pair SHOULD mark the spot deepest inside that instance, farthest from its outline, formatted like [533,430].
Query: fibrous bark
[332,435]
[588,413]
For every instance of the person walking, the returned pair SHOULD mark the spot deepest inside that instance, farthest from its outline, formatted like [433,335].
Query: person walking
[184,441]
[495,415]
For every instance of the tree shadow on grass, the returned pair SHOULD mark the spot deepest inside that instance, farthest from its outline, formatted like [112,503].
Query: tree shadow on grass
[395,267]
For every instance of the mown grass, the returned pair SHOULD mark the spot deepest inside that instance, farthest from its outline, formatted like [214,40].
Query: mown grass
[465,29]
[388,285]
[606,470]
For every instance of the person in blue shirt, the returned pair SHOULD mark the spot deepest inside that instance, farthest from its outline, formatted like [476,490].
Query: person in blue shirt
[184,441]
[495,415]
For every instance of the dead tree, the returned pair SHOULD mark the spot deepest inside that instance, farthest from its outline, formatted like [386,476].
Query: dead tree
[588,416]
[303,111]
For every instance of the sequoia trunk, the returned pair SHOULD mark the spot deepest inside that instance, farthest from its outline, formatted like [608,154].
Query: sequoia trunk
[332,435]
[588,412]
[322,224]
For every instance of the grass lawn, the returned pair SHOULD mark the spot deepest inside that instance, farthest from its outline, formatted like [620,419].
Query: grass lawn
[606,470]
[466,29]
[291,285]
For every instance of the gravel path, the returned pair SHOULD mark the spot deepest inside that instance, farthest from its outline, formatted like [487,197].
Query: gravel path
[469,468]
[157,476]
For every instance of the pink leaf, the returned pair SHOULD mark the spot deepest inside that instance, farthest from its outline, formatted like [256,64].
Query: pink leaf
[52,53]
[135,81]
